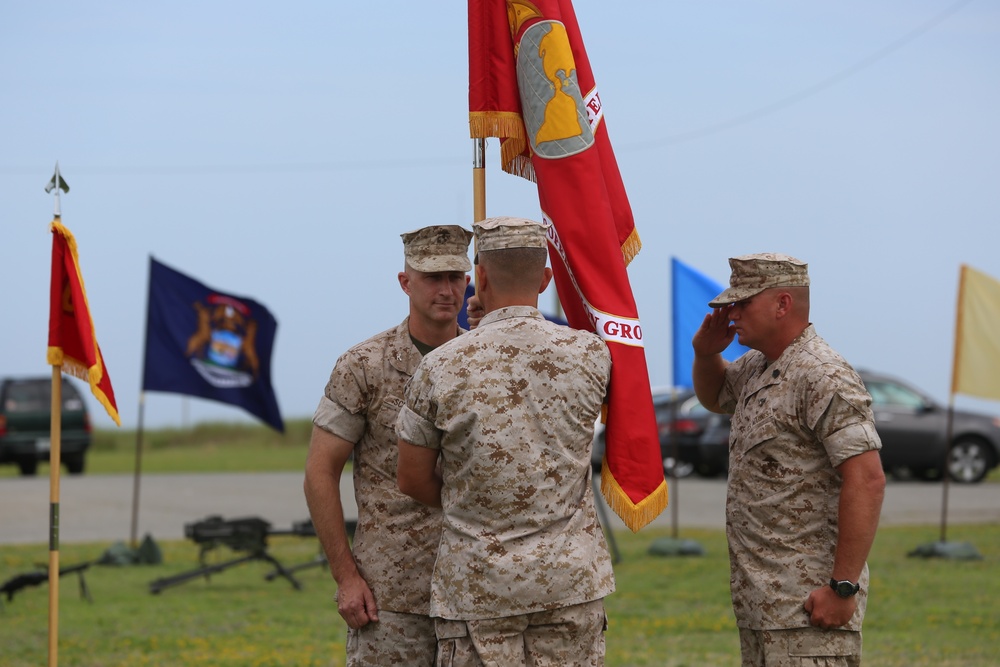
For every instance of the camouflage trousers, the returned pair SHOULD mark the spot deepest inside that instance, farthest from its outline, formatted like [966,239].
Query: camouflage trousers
[566,637]
[396,639]
[800,647]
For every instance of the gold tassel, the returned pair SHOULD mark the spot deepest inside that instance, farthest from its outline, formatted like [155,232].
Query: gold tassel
[634,515]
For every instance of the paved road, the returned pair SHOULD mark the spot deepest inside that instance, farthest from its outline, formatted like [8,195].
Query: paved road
[98,508]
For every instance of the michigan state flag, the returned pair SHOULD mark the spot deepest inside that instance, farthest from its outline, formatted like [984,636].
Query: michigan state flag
[210,344]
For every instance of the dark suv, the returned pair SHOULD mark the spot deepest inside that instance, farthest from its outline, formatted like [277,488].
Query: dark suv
[26,420]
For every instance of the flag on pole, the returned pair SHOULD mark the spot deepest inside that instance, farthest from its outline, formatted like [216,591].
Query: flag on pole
[977,345]
[206,343]
[691,291]
[530,83]
[72,340]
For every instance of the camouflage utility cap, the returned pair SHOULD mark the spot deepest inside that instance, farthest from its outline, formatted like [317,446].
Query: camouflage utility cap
[438,248]
[504,233]
[752,274]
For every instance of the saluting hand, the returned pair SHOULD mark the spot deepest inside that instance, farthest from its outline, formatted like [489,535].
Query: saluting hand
[715,333]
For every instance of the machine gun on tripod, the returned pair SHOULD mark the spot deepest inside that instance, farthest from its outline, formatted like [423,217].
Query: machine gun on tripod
[41,576]
[246,535]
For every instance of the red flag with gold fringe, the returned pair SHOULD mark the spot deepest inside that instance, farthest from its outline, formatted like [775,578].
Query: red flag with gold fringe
[531,85]
[72,341]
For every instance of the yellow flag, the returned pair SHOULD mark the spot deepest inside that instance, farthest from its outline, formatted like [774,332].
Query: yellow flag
[977,336]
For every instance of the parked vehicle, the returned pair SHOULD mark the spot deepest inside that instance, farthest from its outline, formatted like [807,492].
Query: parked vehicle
[26,421]
[913,430]
[680,420]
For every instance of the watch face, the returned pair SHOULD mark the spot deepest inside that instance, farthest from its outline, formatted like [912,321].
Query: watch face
[846,589]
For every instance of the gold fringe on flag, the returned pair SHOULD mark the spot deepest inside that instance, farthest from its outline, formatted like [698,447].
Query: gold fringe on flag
[514,161]
[483,124]
[631,246]
[91,376]
[634,515]
[509,127]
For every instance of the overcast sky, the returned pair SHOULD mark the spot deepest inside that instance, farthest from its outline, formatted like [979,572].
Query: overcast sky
[277,151]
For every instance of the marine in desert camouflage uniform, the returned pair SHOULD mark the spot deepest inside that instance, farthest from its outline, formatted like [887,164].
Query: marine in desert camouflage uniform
[805,479]
[508,413]
[383,587]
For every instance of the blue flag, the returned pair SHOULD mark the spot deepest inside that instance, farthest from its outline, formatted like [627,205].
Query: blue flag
[205,343]
[691,293]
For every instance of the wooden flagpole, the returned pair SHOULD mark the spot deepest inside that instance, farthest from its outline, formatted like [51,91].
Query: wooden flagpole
[55,453]
[478,179]
[55,457]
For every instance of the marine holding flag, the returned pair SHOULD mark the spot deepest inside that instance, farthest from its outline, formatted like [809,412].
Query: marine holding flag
[531,84]
[496,430]
[202,342]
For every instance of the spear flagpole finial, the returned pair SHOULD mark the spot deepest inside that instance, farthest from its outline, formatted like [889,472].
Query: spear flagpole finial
[57,183]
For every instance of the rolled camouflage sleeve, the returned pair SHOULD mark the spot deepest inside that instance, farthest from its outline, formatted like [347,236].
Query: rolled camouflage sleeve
[342,410]
[844,423]
[851,441]
[415,422]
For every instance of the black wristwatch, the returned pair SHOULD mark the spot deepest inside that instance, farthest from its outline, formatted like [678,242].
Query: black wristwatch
[845,589]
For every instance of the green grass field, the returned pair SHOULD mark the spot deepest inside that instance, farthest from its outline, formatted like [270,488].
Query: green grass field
[668,612]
